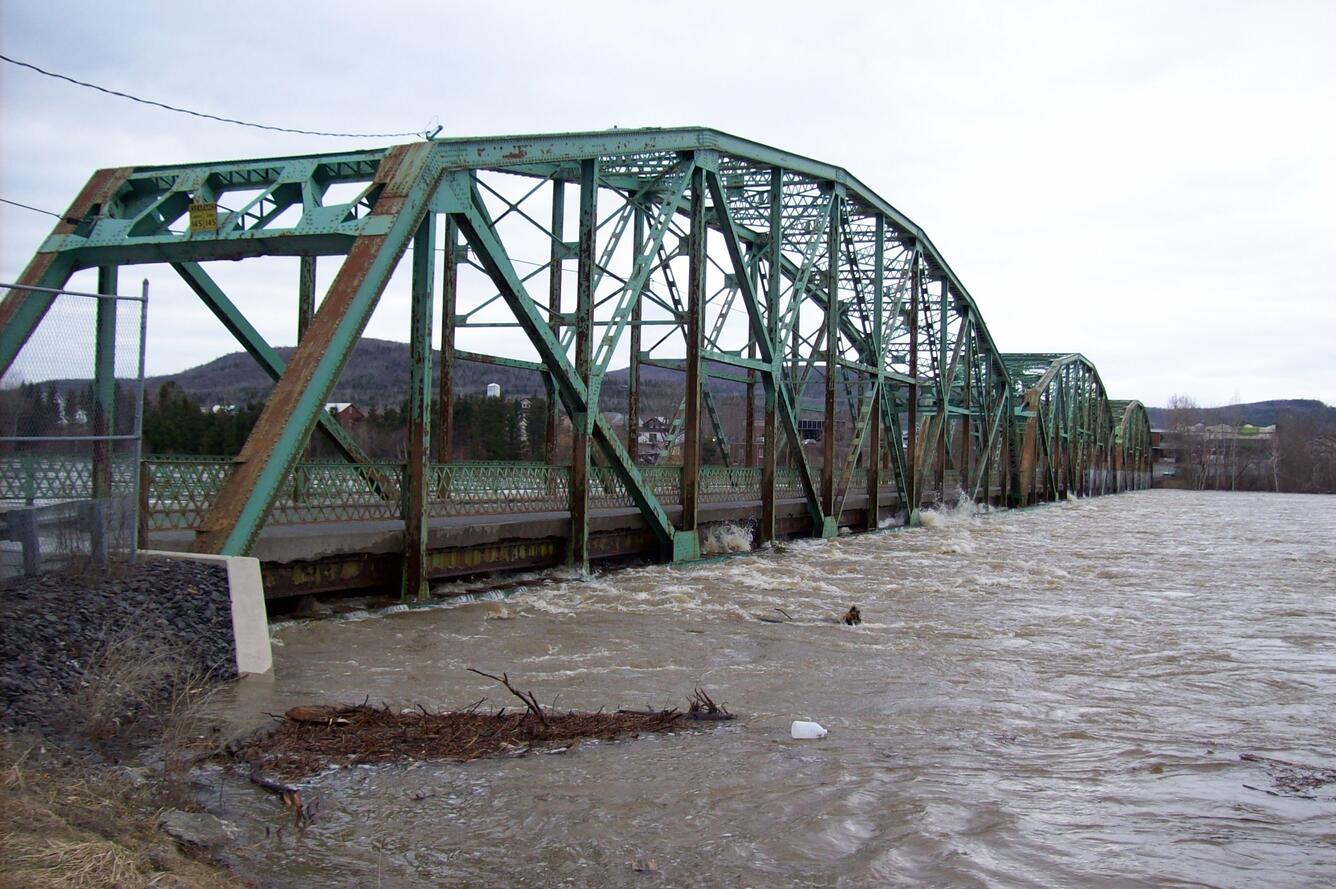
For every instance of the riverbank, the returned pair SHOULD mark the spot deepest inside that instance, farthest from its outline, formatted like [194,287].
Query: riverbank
[103,678]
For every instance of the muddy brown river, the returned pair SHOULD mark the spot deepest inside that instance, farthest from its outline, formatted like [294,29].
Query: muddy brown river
[1050,697]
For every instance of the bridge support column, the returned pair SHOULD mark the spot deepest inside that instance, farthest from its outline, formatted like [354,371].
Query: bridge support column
[584,353]
[417,478]
[104,382]
[305,305]
[873,458]
[633,374]
[775,256]
[966,467]
[556,253]
[445,389]
[686,543]
[913,496]
[305,295]
[945,373]
[832,371]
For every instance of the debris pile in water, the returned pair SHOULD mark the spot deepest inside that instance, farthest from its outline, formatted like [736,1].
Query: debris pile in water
[310,739]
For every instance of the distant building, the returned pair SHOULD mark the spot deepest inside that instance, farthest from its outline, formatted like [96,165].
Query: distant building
[653,437]
[525,404]
[1216,456]
[346,413]
[493,390]
[811,428]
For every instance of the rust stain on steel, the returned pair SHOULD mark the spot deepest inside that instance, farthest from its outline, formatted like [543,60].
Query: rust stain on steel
[398,179]
[518,153]
[100,189]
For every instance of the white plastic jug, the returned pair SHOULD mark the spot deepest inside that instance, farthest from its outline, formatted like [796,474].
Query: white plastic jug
[806,731]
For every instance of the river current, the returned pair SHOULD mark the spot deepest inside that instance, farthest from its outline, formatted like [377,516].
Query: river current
[1057,696]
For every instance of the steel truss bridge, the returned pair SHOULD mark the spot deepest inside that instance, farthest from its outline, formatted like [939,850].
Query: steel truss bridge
[724,260]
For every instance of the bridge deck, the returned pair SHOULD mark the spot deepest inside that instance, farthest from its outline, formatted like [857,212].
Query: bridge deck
[320,557]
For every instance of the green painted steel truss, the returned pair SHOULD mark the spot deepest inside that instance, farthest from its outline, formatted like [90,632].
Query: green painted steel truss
[868,369]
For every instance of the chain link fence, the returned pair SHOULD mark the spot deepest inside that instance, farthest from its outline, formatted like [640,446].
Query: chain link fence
[71,411]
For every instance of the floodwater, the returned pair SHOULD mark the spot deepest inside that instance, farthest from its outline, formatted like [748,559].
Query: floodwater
[1050,697]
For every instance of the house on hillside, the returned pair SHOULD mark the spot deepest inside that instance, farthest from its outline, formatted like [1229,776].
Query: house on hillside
[347,414]
[653,437]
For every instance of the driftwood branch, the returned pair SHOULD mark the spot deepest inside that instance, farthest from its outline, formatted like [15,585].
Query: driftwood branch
[291,796]
[530,702]
[702,707]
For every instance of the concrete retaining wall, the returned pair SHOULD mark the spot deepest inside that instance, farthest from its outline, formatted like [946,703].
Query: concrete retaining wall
[250,621]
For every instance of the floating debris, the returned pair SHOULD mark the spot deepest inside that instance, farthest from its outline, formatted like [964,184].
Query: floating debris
[310,739]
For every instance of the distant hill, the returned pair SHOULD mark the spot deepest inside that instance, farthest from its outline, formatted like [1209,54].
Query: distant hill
[1259,413]
[376,375]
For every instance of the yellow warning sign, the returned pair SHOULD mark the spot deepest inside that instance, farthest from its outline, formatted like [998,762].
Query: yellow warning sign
[204,217]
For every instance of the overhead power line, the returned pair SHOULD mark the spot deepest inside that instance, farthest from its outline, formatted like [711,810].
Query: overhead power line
[241,123]
[27,207]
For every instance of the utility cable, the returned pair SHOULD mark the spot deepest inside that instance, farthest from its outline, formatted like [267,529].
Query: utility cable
[26,207]
[424,134]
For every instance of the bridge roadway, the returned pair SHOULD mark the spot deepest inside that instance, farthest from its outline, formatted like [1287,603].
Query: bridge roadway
[322,557]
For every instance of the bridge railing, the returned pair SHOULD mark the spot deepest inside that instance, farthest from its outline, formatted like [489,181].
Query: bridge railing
[35,479]
[179,491]
[176,492]
[723,484]
[498,488]
[339,492]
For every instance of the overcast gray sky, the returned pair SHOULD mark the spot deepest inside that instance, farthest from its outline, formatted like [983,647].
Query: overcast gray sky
[1151,184]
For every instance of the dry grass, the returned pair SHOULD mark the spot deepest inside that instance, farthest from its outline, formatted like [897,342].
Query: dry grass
[75,864]
[129,680]
[66,824]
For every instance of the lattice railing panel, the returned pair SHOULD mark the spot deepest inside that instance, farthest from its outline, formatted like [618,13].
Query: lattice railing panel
[339,492]
[31,478]
[664,481]
[180,490]
[788,483]
[606,490]
[498,488]
[722,484]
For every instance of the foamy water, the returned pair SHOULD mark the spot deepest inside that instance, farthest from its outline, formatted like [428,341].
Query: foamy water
[1050,697]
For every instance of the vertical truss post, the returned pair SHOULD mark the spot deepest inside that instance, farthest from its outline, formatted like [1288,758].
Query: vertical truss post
[750,414]
[873,515]
[775,253]
[556,253]
[945,379]
[445,389]
[104,381]
[695,333]
[305,295]
[305,303]
[911,471]
[584,355]
[832,334]
[967,422]
[417,480]
[633,375]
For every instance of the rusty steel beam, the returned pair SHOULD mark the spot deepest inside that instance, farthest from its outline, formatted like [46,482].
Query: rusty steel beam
[407,176]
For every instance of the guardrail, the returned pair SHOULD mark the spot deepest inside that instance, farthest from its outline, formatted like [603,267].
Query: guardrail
[177,491]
